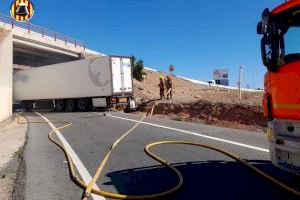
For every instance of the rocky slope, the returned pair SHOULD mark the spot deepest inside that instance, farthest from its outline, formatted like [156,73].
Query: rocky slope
[201,103]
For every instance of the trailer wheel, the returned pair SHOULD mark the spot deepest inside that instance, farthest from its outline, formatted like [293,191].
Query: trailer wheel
[59,105]
[70,105]
[83,104]
[27,105]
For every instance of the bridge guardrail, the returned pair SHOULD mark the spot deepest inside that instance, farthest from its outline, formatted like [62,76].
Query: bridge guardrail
[41,30]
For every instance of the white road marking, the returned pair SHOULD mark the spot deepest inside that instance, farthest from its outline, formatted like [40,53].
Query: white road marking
[193,133]
[83,172]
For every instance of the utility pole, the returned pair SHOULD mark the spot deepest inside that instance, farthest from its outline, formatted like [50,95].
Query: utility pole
[240,83]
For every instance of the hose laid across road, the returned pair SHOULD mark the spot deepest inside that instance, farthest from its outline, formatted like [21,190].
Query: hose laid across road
[88,188]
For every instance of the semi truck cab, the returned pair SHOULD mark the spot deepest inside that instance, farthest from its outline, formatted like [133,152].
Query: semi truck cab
[280,52]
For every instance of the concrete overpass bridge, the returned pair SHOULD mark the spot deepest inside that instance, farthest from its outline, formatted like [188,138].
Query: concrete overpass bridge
[25,45]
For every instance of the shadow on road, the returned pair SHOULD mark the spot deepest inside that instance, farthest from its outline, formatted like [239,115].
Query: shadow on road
[93,116]
[205,180]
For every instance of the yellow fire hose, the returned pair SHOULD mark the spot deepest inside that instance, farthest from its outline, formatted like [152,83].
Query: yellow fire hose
[88,188]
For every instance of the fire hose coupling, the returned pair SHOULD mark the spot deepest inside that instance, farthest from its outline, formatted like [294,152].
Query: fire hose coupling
[86,195]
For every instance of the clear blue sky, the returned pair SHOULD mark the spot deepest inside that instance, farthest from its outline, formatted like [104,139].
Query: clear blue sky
[196,36]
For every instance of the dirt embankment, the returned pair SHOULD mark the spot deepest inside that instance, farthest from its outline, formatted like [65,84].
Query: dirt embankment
[227,115]
[202,104]
[188,92]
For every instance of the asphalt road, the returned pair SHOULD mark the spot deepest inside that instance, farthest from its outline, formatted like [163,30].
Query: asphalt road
[207,174]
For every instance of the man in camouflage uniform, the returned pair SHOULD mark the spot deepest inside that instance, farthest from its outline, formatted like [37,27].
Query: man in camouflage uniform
[161,86]
[169,86]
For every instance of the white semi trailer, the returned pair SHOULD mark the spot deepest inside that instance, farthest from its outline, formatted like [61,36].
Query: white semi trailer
[104,82]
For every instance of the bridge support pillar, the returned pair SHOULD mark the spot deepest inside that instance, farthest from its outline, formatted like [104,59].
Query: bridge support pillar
[6,73]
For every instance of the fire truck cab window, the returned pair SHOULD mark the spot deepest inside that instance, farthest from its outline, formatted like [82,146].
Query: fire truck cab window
[292,44]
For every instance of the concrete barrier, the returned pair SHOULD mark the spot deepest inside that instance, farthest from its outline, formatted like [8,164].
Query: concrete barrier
[6,63]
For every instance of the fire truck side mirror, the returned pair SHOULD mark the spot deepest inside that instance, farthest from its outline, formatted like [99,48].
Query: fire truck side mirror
[259,28]
[264,29]
[265,52]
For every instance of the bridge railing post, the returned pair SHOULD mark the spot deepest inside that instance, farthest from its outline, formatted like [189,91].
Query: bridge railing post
[28,27]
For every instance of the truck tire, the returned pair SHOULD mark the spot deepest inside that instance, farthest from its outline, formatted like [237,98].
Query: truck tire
[70,105]
[27,105]
[83,105]
[59,105]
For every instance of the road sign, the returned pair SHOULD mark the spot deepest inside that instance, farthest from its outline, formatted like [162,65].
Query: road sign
[171,68]
[220,74]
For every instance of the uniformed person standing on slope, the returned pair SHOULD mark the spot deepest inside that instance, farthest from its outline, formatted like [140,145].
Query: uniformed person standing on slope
[169,86]
[161,86]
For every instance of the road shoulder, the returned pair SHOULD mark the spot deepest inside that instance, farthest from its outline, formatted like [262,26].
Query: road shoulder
[12,140]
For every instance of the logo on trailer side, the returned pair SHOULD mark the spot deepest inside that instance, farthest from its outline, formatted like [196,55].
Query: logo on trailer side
[97,77]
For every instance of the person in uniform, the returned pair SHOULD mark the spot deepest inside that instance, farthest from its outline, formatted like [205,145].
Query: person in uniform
[161,86]
[169,86]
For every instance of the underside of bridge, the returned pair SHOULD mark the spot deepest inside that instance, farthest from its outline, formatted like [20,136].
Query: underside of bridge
[36,57]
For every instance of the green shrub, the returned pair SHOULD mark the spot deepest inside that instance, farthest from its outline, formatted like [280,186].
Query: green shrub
[138,68]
